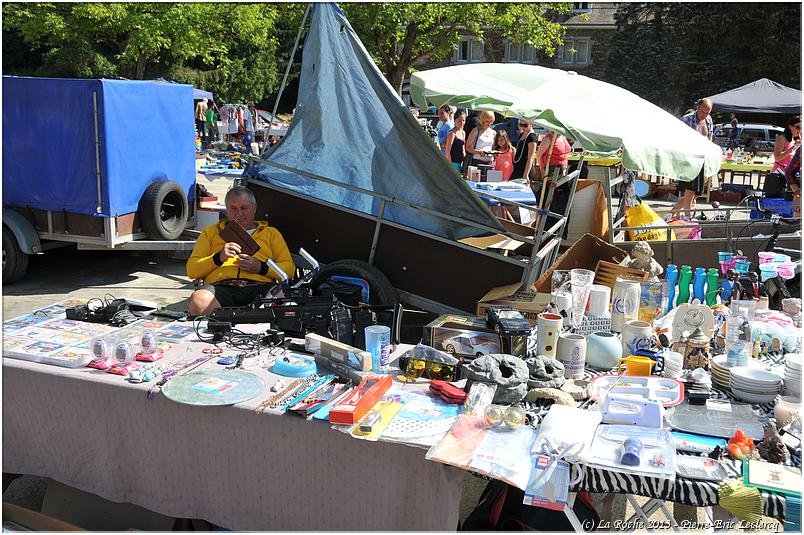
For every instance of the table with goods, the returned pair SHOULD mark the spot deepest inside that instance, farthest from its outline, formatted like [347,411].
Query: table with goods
[679,385]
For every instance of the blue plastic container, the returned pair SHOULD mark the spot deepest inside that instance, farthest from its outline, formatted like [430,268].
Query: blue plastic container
[742,266]
[767,271]
[724,256]
[777,206]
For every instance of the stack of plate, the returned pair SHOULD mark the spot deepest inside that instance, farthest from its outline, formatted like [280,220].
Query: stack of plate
[720,373]
[721,376]
[753,385]
[792,375]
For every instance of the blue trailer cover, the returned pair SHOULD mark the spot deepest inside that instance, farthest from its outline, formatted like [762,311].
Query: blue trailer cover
[145,133]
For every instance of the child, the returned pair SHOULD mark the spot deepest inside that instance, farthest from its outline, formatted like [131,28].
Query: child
[504,160]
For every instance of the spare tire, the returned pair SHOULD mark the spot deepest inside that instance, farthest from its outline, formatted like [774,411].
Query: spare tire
[164,210]
[381,291]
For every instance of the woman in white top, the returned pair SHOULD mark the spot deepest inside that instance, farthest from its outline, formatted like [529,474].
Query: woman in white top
[481,140]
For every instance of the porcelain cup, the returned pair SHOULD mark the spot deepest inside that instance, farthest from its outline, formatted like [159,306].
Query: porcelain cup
[637,335]
[571,352]
[548,329]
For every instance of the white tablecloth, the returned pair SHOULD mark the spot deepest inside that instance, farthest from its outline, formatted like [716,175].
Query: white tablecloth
[227,465]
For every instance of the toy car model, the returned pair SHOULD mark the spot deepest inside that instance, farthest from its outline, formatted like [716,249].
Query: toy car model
[471,344]
[507,321]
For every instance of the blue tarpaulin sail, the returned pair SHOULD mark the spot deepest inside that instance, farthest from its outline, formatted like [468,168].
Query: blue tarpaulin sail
[350,126]
[145,133]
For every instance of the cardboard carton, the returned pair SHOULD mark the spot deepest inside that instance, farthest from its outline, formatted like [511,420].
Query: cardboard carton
[585,253]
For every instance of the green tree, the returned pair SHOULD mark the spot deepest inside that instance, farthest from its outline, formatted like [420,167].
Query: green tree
[399,35]
[227,48]
[675,53]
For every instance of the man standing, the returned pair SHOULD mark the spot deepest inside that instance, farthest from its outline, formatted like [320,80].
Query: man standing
[232,278]
[733,133]
[689,191]
[249,125]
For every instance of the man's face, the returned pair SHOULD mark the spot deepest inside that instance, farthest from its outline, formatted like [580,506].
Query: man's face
[703,111]
[240,209]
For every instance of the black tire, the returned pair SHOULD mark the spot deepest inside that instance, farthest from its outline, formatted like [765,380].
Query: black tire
[15,262]
[381,291]
[164,210]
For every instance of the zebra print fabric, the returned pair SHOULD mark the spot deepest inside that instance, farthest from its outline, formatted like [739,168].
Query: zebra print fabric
[684,491]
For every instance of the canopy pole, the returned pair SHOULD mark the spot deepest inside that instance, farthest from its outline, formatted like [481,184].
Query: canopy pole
[287,70]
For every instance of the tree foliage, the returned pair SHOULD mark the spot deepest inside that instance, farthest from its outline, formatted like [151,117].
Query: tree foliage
[230,49]
[674,53]
[398,35]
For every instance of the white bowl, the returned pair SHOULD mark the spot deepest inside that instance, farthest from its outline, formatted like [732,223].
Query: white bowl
[750,375]
[793,360]
[752,398]
[756,386]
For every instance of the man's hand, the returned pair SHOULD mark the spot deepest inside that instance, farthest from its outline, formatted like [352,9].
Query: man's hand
[248,263]
[230,250]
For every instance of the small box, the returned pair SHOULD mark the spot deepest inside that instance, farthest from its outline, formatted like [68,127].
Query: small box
[529,304]
[462,336]
[338,351]
[340,369]
[358,403]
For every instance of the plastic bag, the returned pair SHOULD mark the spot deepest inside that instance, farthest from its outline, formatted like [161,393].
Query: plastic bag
[685,233]
[643,215]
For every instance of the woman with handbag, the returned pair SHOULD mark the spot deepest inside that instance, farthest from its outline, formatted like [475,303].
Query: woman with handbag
[786,145]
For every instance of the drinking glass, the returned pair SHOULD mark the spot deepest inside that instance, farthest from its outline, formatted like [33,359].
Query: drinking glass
[580,285]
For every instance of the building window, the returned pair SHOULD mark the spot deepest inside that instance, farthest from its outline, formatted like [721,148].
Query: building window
[576,52]
[519,53]
[470,50]
[581,7]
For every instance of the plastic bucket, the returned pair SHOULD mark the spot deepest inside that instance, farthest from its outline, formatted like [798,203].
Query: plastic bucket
[786,270]
[724,256]
[779,258]
[725,266]
[767,271]
[766,257]
[742,266]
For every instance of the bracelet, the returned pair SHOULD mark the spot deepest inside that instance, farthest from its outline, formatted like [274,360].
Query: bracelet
[284,396]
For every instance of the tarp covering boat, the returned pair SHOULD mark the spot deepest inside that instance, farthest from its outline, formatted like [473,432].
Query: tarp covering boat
[350,126]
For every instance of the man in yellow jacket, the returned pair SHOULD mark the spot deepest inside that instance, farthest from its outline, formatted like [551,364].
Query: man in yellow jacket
[232,278]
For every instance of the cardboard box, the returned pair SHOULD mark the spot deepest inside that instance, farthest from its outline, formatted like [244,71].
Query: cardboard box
[338,351]
[351,409]
[530,304]
[585,253]
[462,336]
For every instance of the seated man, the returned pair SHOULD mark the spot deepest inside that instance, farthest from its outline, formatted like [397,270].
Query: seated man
[232,278]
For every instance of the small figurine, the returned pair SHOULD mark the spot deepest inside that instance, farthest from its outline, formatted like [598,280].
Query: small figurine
[697,351]
[642,258]
[752,287]
[792,307]
[716,453]
[729,286]
[772,449]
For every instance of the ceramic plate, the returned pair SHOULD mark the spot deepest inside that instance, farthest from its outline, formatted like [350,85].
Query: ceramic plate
[793,360]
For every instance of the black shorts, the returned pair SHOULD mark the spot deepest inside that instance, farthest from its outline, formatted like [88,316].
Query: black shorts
[231,296]
[696,184]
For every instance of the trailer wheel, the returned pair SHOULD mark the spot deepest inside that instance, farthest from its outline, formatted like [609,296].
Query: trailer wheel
[164,210]
[381,290]
[15,262]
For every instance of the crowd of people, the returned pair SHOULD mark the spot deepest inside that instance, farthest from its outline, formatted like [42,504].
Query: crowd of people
[239,123]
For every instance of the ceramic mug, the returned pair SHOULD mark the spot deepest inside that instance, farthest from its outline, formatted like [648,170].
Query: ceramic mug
[603,349]
[571,352]
[548,328]
[625,303]
[563,302]
[637,335]
[635,365]
[599,299]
